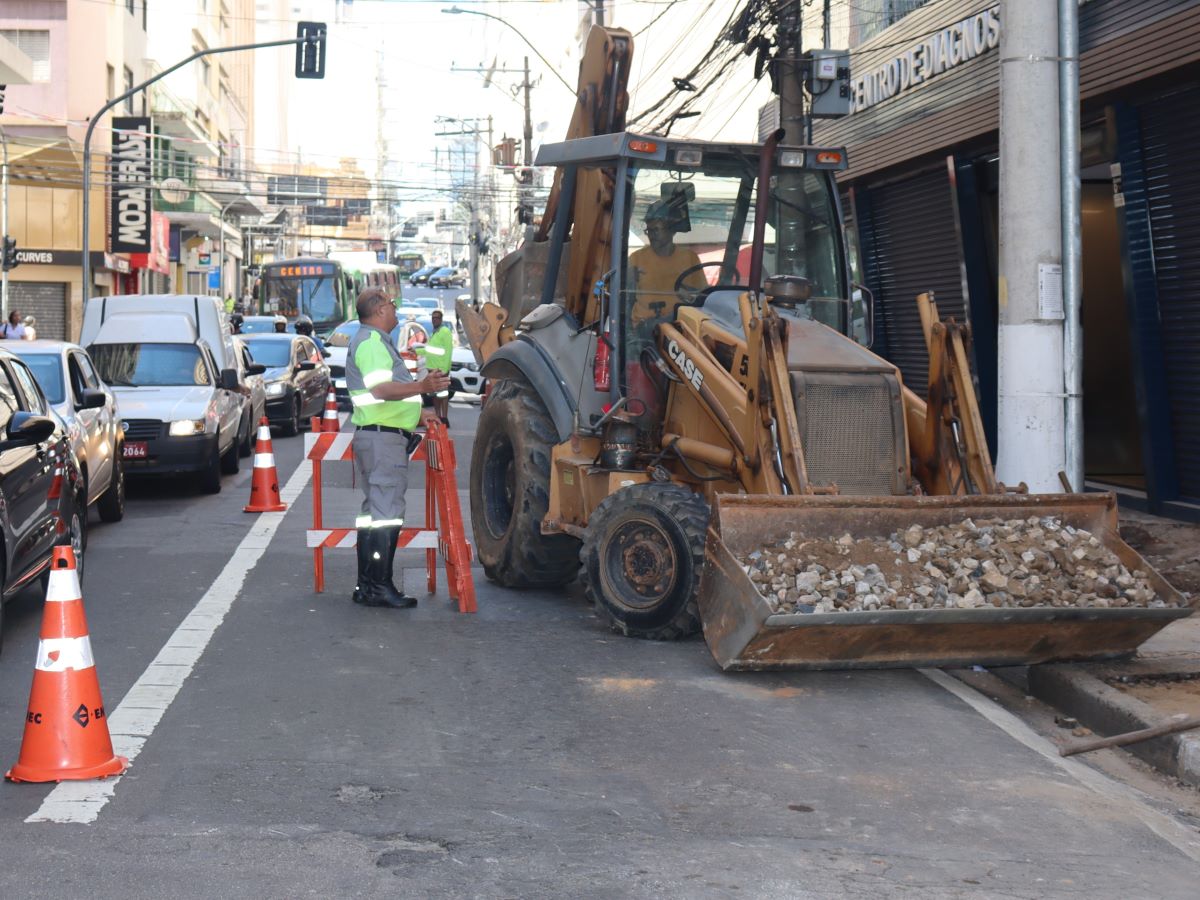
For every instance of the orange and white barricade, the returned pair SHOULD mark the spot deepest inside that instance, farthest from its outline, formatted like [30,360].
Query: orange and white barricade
[443,532]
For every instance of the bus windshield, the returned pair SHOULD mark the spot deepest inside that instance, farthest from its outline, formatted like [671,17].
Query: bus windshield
[313,295]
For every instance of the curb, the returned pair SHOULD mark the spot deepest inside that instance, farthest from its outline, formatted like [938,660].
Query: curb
[1079,691]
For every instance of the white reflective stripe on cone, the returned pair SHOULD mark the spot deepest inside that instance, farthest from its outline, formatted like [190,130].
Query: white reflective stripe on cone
[264,460]
[64,654]
[64,586]
[264,432]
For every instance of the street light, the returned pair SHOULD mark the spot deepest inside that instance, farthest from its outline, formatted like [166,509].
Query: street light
[455,11]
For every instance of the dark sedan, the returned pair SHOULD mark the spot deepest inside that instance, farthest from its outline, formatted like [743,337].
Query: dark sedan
[297,379]
[421,276]
[448,276]
[41,491]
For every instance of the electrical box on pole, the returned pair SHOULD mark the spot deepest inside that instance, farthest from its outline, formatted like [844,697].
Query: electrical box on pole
[310,55]
[828,83]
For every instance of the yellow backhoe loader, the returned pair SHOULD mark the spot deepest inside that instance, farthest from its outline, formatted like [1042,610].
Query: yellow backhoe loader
[680,375]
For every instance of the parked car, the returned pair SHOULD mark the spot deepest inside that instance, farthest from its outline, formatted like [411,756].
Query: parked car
[421,276]
[170,359]
[429,303]
[250,374]
[88,408]
[448,276]
[42,489]
[296,378]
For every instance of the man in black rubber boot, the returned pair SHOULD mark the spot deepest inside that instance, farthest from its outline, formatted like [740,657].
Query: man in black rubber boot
[387,410]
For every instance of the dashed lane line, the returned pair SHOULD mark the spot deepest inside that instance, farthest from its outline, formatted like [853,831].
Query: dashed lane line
[142,708]
[1130,801]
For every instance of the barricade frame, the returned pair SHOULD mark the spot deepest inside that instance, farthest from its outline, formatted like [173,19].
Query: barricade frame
[443,531]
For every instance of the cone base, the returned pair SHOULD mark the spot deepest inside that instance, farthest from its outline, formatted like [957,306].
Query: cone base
[280,507]
[114,766]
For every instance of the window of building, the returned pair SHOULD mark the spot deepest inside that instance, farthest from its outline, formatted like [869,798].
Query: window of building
[110,83]
[34,43]
[129,87]
[129,5]
[205,71]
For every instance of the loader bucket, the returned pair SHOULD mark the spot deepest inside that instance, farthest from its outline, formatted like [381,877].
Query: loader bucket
[744,631]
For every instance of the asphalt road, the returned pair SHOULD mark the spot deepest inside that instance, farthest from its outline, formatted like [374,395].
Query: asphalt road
[319,749]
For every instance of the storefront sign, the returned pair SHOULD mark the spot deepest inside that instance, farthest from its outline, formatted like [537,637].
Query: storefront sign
[130,174]
[100,260]
[927,58]
[157,259]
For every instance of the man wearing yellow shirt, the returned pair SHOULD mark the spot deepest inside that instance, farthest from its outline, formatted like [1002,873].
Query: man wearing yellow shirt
[656,267]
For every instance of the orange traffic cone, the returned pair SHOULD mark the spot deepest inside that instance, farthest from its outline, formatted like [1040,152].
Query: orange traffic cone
[264,487]
[329,420]
[66,732]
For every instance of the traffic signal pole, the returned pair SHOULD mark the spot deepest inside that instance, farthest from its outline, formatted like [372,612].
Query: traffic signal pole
[4,225]
[313,38]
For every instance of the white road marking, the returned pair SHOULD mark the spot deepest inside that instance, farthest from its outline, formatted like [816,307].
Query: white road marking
[141,709]
[1131,802]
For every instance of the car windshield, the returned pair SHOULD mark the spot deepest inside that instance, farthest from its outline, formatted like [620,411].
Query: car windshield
[141,365]
[258,325]
[272,354]
[47,369]
[426,303]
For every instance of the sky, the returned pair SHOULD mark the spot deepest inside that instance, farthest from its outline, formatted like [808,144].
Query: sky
[421,45]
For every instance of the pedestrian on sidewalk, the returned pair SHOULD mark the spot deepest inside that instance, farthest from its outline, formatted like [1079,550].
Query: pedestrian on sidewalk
[13,330]
[438,353]
[387,410]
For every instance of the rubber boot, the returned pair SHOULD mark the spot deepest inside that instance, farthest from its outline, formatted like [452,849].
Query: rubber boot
[393,535]
[381,591]
[364,559]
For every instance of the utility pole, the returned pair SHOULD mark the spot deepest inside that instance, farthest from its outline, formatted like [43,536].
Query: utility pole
[600,13]
[1030,421]
[1068,101]
[788,67]
[525,201]
[825,15]
[4,225]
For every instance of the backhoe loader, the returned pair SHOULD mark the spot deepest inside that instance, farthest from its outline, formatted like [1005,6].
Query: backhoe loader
[660,409]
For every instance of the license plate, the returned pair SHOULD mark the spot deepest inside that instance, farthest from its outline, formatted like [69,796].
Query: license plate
[136,450]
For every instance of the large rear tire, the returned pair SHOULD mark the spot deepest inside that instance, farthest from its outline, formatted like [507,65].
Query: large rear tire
[642,557]
[510,492]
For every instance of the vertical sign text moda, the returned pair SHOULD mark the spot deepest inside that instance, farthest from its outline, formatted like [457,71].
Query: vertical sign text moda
[130,178]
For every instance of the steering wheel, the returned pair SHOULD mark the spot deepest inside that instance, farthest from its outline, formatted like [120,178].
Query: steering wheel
[689,294]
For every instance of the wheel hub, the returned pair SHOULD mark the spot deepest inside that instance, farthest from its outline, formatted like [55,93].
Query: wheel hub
[643,557]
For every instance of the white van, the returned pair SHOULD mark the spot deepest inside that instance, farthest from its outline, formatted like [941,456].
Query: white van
[170,359]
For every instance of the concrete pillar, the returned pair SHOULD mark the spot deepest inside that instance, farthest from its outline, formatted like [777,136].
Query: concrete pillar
[1031,438]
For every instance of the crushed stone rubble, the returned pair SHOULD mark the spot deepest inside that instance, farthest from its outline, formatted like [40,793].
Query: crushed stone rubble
[1037,561]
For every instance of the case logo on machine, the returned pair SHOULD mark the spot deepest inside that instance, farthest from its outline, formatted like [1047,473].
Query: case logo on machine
[686,366]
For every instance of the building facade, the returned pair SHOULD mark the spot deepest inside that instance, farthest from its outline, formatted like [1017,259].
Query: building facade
[922,197]
[84,54]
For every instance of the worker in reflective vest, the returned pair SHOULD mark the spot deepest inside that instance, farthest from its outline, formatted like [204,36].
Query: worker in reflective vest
[387,410]
[438,354]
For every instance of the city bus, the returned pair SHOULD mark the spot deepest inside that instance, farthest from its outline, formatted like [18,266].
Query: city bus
[317,288]
[363,271]
[409,263]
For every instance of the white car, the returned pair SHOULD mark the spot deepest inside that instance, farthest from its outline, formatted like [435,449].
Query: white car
[89,410]
[464,373]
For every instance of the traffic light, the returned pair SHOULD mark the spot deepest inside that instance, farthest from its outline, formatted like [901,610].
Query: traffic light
[10,254]
[310,55]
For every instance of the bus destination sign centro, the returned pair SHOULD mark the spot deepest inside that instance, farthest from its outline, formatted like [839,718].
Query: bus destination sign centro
[301,271]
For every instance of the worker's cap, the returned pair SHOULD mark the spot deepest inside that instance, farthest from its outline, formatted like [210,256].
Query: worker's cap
[280,320]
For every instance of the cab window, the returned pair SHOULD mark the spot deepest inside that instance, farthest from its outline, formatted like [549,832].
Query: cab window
[33,400]
[8,399]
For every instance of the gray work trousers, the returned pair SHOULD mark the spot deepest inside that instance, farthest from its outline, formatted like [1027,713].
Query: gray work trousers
[382,461]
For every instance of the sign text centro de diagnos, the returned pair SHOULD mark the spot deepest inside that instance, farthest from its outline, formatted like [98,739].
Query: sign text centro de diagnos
[927,58]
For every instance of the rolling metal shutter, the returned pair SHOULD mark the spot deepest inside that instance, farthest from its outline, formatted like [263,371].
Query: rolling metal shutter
[912,248]
[46,302]
[1170,137]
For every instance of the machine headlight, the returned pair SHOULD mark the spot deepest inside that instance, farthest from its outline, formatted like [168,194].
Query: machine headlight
[276,388]
[472,367]
[186,427]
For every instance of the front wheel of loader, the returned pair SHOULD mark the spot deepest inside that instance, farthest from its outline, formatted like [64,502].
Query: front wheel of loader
[510,492]
[642,556]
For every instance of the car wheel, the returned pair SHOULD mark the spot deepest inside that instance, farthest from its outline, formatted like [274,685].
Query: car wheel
[291,427]
[246,442]
[229,462]
[111,504]
[210,477]
[75,537]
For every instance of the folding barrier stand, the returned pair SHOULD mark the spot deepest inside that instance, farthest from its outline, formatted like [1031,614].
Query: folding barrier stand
[443,532]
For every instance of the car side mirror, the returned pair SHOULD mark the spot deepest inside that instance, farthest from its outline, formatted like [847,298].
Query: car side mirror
[325,353]
[868,313]
[229,379]
[25,428]
[307,366]
[91,398]
[255,369]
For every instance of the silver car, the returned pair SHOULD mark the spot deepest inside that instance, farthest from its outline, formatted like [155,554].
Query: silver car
[89,410]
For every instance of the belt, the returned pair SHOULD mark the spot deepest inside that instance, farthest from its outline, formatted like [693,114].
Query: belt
[390,429]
